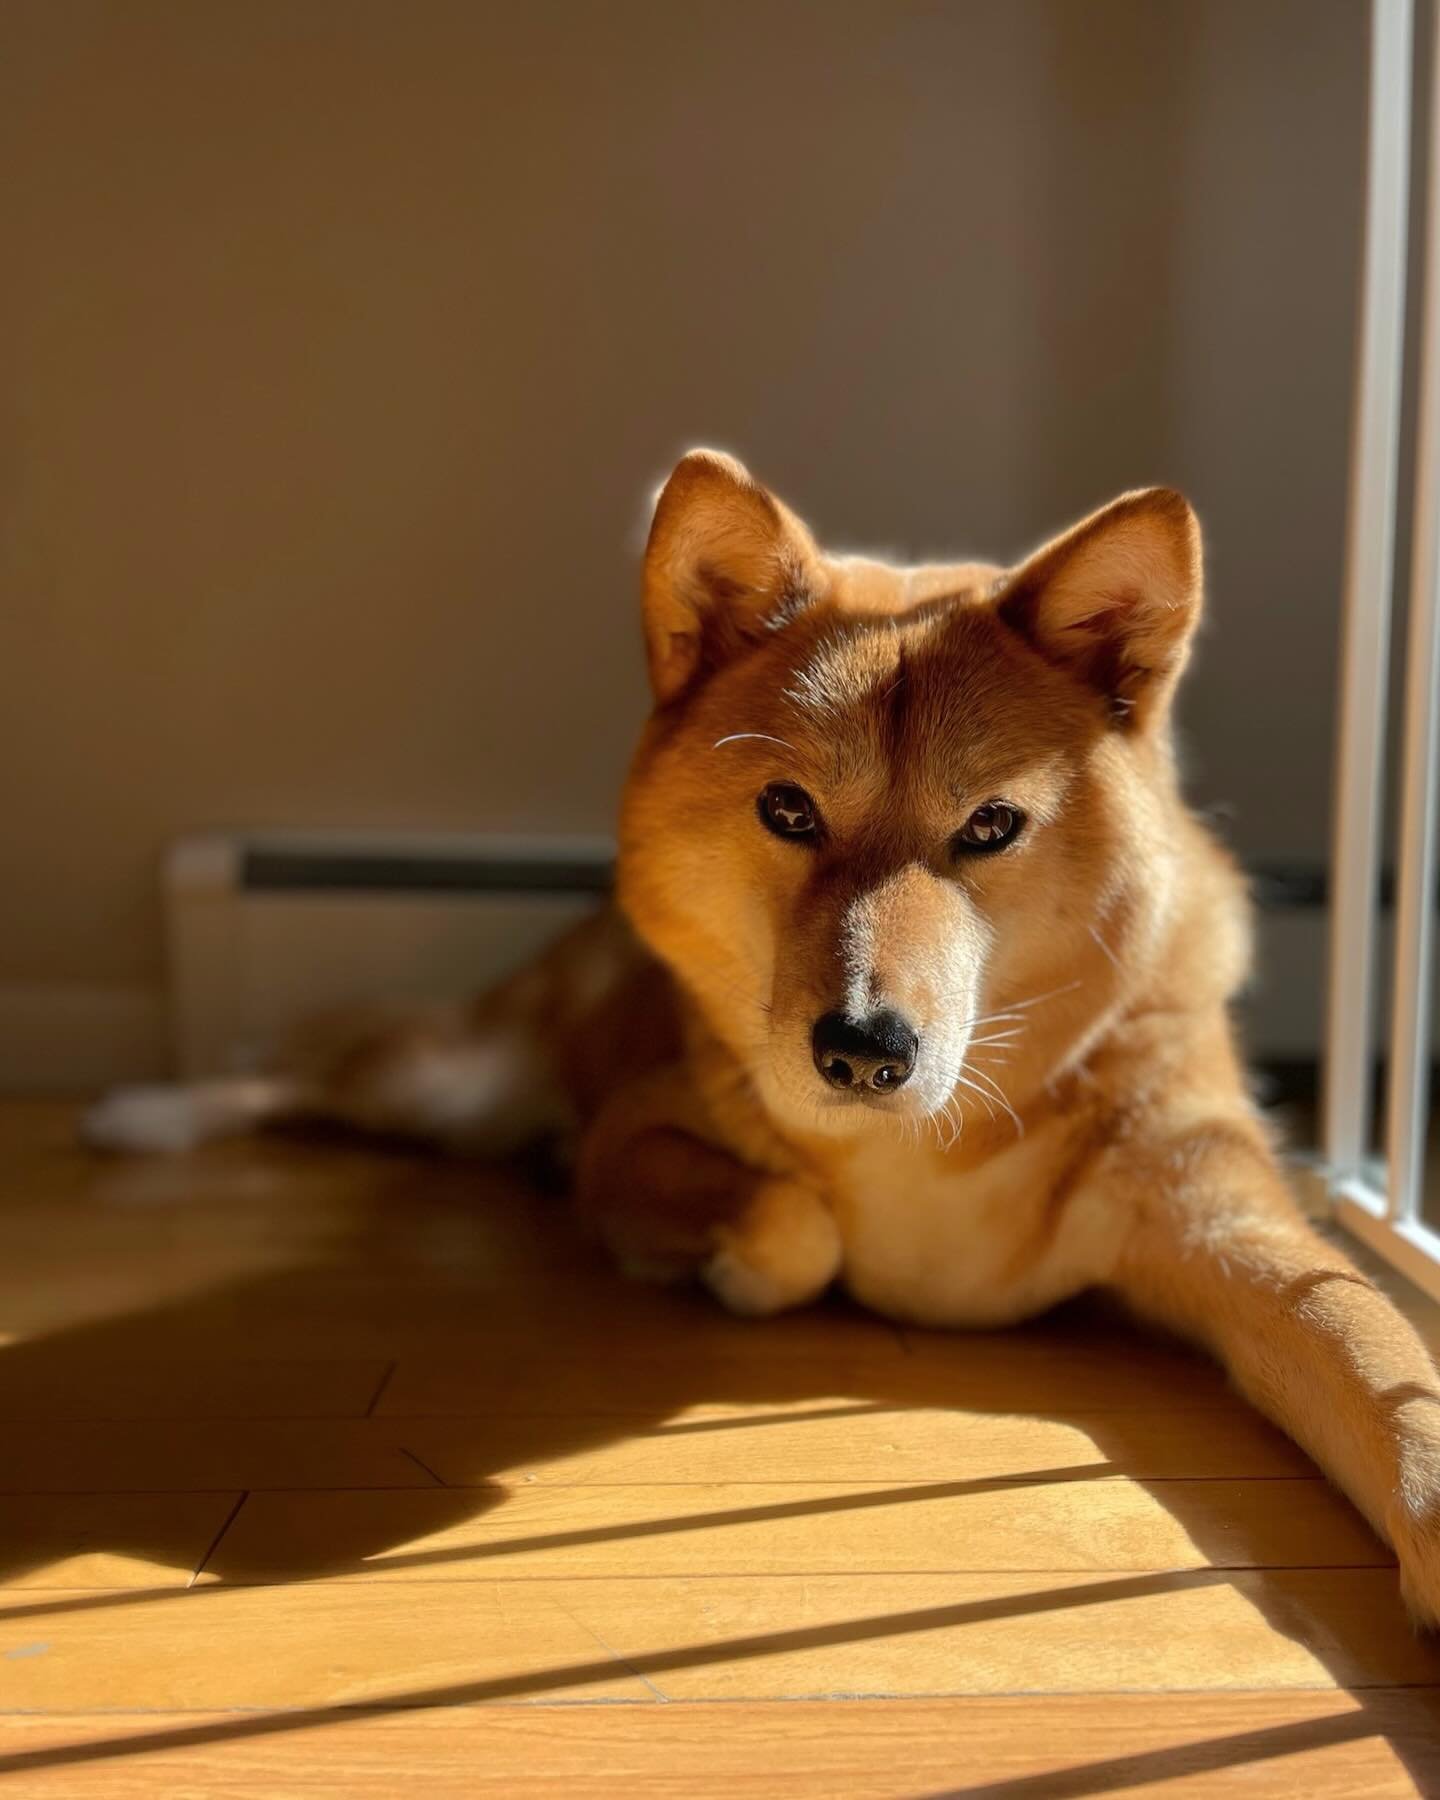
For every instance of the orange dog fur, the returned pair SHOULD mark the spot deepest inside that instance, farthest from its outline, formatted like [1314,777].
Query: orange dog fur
[921,982]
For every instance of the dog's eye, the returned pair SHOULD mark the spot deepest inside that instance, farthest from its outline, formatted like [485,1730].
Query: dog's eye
[788,811]
[989,827]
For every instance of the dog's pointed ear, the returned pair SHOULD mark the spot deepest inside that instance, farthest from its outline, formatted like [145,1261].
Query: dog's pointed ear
[725,561]
[1115,599]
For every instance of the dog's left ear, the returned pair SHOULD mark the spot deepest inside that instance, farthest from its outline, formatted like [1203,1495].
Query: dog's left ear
[725,562]
[1115,600]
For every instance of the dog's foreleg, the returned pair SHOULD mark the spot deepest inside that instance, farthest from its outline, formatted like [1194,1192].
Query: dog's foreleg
[1219,1252]
[783,1251]
[669,1203]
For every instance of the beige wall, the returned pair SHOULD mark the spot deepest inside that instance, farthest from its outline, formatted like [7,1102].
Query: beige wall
[342,340]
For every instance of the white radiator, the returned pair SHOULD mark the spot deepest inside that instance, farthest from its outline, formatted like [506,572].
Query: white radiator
[264,930]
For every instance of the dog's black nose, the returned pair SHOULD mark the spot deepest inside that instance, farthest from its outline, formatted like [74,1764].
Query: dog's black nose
[877,1052]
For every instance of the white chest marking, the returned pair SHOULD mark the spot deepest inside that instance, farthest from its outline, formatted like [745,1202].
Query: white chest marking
[928,1244]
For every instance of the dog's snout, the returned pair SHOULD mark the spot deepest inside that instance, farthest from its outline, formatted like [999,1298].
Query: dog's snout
[876,1053]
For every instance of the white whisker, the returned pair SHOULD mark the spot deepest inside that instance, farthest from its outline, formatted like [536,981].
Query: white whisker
[990,1019]
[996,1090]
[762,737]
[983,1096]
[945,1117]
[1054,993]
[1017,1007]
[989,1080]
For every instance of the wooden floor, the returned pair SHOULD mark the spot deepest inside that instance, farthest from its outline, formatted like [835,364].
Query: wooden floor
[331,1473]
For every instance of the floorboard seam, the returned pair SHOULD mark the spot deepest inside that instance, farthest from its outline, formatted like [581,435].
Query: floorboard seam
[622,1662]
[423,1466]
[385,1380]
[230,1519]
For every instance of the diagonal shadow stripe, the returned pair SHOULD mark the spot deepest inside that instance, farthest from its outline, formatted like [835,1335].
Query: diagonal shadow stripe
[1207,1756]
[812,1506]
[541,1541]
[647,1663]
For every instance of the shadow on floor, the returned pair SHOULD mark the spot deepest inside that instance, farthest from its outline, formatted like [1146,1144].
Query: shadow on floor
[413,1266]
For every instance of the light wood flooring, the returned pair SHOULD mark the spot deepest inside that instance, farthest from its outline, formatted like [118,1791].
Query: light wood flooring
[337,1472]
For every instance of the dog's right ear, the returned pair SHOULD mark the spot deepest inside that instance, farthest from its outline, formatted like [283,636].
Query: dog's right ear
[725,562]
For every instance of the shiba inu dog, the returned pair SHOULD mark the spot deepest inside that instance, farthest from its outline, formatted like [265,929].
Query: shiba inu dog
[918,981]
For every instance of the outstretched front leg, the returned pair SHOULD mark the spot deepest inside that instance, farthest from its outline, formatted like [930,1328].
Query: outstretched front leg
[671,1203]
[1219,1251]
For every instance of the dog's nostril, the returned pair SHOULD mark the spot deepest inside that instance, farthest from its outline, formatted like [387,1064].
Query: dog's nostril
[837,1071]
[877,1052]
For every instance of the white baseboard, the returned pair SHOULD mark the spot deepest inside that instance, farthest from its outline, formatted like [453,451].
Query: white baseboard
[64,1038]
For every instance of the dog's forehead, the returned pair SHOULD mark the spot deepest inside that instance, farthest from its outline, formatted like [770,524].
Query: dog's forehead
[933,694]
[842,673]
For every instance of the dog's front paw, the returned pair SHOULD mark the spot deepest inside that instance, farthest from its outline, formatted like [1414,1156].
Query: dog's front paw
[785,1252]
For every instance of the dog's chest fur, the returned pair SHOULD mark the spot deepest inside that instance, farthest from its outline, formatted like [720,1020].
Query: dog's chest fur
[936,1244]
